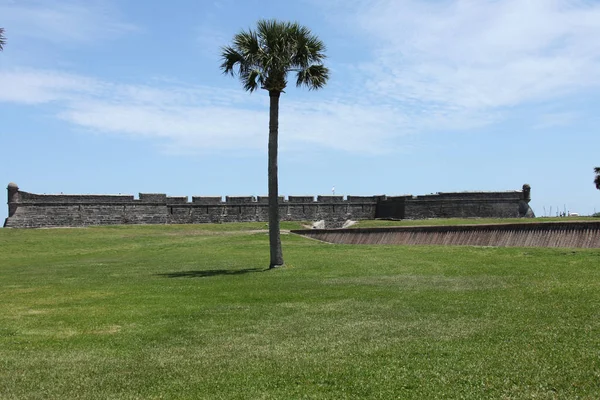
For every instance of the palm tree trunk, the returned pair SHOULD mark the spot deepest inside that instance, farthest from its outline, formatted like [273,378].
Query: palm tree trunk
[274,235]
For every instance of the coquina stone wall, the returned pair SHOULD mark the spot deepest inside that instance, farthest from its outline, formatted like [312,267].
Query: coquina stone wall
[30,210]
[457,205]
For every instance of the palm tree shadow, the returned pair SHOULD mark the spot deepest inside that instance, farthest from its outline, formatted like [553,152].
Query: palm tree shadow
[210,272]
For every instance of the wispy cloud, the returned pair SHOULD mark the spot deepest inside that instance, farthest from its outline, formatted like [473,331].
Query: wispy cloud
[61,21]
[433,66]
[31,86]
[198,118]
[472,58]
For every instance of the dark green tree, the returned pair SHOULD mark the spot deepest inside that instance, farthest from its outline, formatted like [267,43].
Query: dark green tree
[2,39]
[597,179]
[262,59]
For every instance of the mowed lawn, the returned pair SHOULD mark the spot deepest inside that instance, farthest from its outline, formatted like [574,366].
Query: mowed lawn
[190,312]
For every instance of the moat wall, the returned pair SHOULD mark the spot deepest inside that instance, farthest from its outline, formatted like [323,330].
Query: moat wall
[30,210]
[577,234]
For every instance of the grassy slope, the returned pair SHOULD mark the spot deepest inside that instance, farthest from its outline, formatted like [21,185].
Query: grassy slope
[189,312]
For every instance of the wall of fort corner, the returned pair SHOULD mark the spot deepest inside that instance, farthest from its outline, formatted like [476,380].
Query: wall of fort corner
[508,204]
[465,205]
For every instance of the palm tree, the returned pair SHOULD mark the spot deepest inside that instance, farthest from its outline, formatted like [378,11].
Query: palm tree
[262,58]
[2,39]
[597,179]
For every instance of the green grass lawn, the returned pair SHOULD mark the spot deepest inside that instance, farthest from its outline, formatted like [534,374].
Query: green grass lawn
[176,312]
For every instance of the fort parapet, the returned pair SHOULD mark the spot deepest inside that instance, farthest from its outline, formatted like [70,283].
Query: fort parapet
[30,210]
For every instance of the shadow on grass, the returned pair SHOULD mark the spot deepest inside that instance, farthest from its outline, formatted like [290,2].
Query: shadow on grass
[210,272]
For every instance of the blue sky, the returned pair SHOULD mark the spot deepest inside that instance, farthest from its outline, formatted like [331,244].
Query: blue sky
[125,96]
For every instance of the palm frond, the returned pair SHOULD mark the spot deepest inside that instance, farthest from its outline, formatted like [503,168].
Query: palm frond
[597,179]
[252,80]
[230,57]
[309,50]
[313,77]
[2,39]
[247,43]
[263,57]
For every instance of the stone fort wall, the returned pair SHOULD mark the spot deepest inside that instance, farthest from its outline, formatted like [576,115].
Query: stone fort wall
[30,210]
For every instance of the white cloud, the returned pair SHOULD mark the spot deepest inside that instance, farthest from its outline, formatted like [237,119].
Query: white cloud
[61,21]
[473,57]
[185,127]
[435,66]
[202,117]
[37,87]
